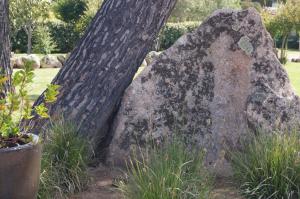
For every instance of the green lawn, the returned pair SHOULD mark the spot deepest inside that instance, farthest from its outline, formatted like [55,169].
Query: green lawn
[39,55]
[43,77]
[293,69]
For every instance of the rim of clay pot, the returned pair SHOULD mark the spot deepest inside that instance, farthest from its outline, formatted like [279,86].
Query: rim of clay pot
[35,141]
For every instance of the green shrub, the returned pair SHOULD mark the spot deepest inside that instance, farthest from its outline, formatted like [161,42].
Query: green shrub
[65,36]
[19,41]
[249,4]
[69,11]
[269,167]
[197,10]
[173,31]
[43,43]
[168,172]
[91,10]
[64,162]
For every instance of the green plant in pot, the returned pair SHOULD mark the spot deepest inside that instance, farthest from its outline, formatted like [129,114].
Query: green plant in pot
[20,151]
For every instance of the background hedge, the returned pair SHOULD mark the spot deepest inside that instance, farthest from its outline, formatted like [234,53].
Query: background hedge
[172,31]
[64,35]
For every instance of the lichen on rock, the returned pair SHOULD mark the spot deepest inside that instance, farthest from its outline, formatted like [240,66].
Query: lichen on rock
[246,45]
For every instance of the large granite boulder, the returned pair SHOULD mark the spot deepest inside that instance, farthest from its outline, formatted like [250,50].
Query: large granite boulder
[61,59]
[18,62]
[212,86]
[34,59]
[50,61]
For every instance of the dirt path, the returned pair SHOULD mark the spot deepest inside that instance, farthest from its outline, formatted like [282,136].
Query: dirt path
[102,184]
[225,189]
[103,178]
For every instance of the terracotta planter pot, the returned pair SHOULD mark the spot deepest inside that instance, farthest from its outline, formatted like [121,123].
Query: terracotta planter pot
[20,171]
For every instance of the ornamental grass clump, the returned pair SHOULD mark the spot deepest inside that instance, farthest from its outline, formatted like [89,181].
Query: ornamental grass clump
[16,107]
[168,171]
[269,166]
[64,161]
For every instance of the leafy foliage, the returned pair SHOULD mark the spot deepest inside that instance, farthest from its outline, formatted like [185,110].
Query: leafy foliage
[173,31]
[17,105]
[69,11]
[169,171]
[64,161]
[64,35]
[27,14]
[249,4]
[198,10]
[19,41]
[286,19]
[91,10]
[269,167]
[43,41]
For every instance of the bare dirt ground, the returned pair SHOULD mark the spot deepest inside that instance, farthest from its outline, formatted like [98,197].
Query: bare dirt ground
[225,189]
[103,186]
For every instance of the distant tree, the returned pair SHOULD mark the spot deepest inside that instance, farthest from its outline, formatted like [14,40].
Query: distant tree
[5,68]
[282,22]
[27,14]
[92,6]
[71,22]
[250,4]
[270,23]
[70,11]
[287,19]
[197,10]
[43,41]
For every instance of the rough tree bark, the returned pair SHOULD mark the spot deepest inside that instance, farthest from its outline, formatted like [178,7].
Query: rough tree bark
[104,63]
[5,68]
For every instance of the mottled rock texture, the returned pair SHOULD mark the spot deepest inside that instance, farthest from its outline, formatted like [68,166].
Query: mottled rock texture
[211,86]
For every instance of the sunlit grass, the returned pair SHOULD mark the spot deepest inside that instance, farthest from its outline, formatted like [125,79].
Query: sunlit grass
[293,70]
[169,171]
[269,166]
[42,77]
[64,161]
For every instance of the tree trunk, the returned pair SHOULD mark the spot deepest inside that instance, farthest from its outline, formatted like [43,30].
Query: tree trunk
[5,68]
[104,63]
[283,47]
[29,40]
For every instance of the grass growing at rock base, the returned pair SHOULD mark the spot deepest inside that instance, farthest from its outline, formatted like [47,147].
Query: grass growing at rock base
[64,162]
[269,167]
[168,172]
